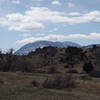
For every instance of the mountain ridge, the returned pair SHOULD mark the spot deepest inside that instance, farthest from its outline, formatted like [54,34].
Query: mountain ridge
[24,50]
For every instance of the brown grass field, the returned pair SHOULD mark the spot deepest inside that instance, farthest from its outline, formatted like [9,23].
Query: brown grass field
[18,86]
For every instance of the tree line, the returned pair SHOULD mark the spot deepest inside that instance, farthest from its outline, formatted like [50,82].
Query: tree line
[11,62]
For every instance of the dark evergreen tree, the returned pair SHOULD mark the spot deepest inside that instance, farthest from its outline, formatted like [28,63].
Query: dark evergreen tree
[88,67]
[72,54]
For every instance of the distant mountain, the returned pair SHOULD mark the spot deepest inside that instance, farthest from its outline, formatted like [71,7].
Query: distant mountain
[90,46]
[40,44]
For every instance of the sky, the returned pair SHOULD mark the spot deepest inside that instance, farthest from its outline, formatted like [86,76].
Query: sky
[26,21]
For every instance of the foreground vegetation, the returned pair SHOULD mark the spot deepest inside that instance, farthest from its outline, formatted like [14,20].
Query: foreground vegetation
[19,86]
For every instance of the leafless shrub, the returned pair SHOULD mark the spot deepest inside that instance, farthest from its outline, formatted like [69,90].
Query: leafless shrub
[85,77]
[59,81]
[2,82]
[73,71]
[52,70]
[95,74]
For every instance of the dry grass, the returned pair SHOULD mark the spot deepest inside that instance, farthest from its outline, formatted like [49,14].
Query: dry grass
[18,86]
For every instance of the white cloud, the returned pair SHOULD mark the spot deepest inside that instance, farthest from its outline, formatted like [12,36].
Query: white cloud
[35,18]
[54,30]
[42,14]
[70,5]
[56,2]
[74,14]
[33,39]
[26,27]
[84,36]
[37,0]
[19,22]
[26,35]
[16,1]
[40,34]
[53,37]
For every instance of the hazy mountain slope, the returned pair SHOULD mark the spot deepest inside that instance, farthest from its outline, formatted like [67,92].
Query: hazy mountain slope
[90,46]
[40,44]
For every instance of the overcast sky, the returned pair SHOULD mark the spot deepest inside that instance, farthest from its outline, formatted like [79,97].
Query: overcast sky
[25,21]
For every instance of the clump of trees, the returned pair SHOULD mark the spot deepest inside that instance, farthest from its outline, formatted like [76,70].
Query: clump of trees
[44,57]
[73,56]
[11,62]
[6,60]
